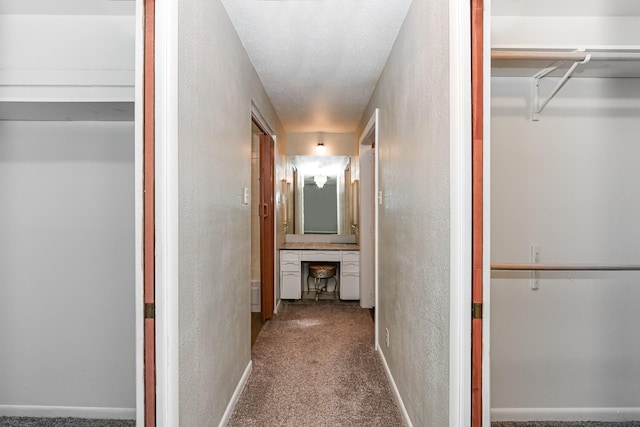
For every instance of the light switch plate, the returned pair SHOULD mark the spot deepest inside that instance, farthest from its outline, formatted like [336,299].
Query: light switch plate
[246,196]
[534,281]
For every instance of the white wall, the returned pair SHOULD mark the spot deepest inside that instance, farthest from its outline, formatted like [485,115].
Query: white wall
[413,97]
[217,85]
[565,31]
[567,183]
[67,268]
[66,58]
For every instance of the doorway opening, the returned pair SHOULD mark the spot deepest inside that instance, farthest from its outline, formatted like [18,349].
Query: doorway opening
[262,227]
[256,306]
[368,228]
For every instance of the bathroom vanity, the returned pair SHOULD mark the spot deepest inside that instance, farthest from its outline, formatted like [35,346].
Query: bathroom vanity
[295,256]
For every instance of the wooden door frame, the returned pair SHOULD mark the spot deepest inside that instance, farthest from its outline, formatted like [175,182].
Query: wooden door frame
[264,127]
[148,214]
[480,116]
[477,210]
[267,224]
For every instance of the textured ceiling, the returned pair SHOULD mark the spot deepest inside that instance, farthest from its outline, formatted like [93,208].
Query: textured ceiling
[319,60]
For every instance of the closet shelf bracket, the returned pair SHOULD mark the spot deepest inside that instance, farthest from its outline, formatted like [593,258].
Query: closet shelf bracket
[536,104]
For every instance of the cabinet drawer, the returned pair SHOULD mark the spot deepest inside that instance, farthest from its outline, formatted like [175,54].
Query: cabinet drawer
[291,274]
[327,256]
[351,256]
[289,255]
[290,266]
[350,274]
[350,266]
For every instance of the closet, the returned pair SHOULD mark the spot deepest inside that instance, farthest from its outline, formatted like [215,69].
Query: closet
[67,209]
[565,156]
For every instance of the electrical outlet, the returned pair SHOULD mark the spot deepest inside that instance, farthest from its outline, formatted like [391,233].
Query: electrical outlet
[386,336]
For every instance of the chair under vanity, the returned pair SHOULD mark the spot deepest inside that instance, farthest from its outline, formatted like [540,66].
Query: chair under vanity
[319,272]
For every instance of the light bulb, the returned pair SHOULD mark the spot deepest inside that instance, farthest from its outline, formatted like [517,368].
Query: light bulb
[321,149]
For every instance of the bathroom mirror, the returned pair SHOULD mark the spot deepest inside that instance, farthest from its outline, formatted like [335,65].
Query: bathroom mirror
[321,195]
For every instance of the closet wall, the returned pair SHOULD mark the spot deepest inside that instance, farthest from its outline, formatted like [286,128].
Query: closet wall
[66,266]
[67,222]
[568,185]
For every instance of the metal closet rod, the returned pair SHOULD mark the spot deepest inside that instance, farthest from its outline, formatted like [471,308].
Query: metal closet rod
[514,266]
[501,54]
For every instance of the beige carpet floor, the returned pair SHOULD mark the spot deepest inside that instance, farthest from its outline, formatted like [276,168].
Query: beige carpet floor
[566,424]
[314,365]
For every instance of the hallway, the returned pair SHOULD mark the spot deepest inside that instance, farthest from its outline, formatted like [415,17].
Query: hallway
[207,145]
[315,364]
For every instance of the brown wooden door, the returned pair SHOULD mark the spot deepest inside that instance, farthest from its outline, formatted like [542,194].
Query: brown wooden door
[267,223]
[477,117]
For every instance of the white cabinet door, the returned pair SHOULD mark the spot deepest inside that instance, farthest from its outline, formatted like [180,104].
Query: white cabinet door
[350,285]
[290,285]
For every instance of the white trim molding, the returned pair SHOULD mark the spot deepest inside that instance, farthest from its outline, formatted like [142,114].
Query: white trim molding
[167,196]
[236,395]
[257,116]
[460,191]
[394,389]
[67,411]
[139,209]
[369,297]
[486,216]
[565,414]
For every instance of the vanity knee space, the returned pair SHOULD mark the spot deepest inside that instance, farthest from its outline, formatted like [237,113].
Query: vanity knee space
[293,270]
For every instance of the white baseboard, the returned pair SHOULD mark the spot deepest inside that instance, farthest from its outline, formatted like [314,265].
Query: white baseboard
[236,395]
[278,305]
[67,411]
[565,414]
[394,389]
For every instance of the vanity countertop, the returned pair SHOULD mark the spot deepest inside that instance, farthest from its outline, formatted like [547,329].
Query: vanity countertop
[321,246]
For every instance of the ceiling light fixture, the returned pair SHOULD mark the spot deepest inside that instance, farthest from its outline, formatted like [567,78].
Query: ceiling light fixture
[321,150]
[320,180]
